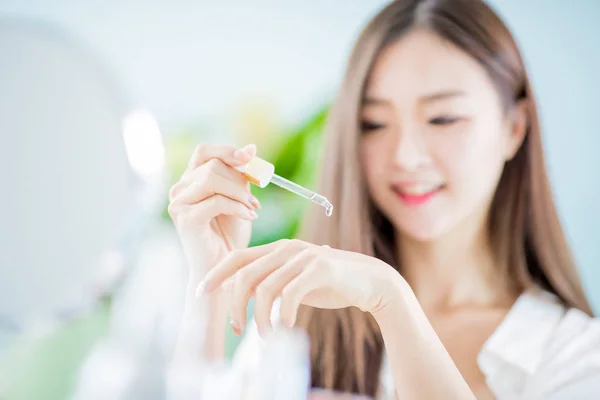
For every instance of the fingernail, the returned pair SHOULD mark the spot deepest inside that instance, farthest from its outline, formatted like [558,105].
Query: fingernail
[200,289]
[250,149]
[252,214]
[254,201]
[263,331]
[287,323]
[235,326]
[241,155]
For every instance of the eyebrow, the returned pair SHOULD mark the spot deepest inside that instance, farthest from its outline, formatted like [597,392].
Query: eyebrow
[441,95]
[428,98]
[374,101]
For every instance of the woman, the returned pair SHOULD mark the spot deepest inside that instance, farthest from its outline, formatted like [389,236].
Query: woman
[448,267]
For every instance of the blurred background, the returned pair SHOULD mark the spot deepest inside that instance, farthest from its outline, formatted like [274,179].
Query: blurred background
[162,76]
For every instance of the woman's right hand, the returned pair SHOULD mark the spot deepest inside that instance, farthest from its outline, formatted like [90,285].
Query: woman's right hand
[212,206]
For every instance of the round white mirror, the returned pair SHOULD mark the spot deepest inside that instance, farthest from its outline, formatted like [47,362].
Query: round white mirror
[68,185]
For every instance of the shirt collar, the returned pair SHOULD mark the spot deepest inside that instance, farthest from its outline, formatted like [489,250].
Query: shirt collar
[521,338]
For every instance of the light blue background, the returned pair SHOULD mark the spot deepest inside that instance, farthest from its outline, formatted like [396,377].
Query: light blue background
[561,45]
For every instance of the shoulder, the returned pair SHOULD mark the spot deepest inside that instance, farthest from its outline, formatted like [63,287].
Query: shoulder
[543,350]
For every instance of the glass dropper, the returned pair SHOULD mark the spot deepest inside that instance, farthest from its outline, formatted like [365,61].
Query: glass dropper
[261,173]
[303,192]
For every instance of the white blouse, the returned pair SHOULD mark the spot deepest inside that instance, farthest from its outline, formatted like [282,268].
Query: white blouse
[541,350]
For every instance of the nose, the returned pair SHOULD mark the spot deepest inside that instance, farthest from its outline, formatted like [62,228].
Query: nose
[411,151]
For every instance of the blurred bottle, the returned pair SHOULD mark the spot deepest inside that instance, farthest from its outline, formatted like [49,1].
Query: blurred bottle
[285,368]
[321,394]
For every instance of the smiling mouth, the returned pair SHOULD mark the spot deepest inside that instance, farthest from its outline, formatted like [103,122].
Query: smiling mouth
[418,194]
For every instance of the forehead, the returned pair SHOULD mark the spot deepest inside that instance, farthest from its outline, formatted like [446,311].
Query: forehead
[422,63]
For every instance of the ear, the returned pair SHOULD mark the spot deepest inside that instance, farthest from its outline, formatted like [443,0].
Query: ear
[517,128]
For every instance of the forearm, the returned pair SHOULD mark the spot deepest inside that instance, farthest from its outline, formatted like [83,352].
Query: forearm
[420,364]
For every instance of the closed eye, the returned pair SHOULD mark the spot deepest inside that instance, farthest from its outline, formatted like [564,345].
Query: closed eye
[369,126]
[444,120]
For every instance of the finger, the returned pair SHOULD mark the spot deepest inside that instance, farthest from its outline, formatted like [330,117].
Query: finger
[309,280]
[211,185]
[217,205]
[242,287]
[238,259]
[228,154]
[270,288]
[205,153]
[216,167]
[203,182]
[250,276]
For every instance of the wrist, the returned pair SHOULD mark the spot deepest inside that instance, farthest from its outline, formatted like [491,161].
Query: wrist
[397,292]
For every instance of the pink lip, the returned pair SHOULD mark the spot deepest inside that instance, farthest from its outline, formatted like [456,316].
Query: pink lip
[416,200]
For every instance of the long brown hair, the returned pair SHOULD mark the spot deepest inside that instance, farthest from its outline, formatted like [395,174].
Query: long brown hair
[525,231]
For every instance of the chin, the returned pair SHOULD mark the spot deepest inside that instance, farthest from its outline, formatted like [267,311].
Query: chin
[420,222]
[424,234]
[420,229]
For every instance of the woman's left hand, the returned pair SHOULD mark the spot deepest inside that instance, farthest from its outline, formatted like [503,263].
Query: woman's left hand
[299,273]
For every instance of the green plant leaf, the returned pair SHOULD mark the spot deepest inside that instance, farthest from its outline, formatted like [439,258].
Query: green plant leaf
[290,158]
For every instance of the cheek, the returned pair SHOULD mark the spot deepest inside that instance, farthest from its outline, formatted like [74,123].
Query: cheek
[473,161]
[374,159]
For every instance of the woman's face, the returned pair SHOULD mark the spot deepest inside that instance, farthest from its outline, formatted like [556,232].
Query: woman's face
[435,136]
